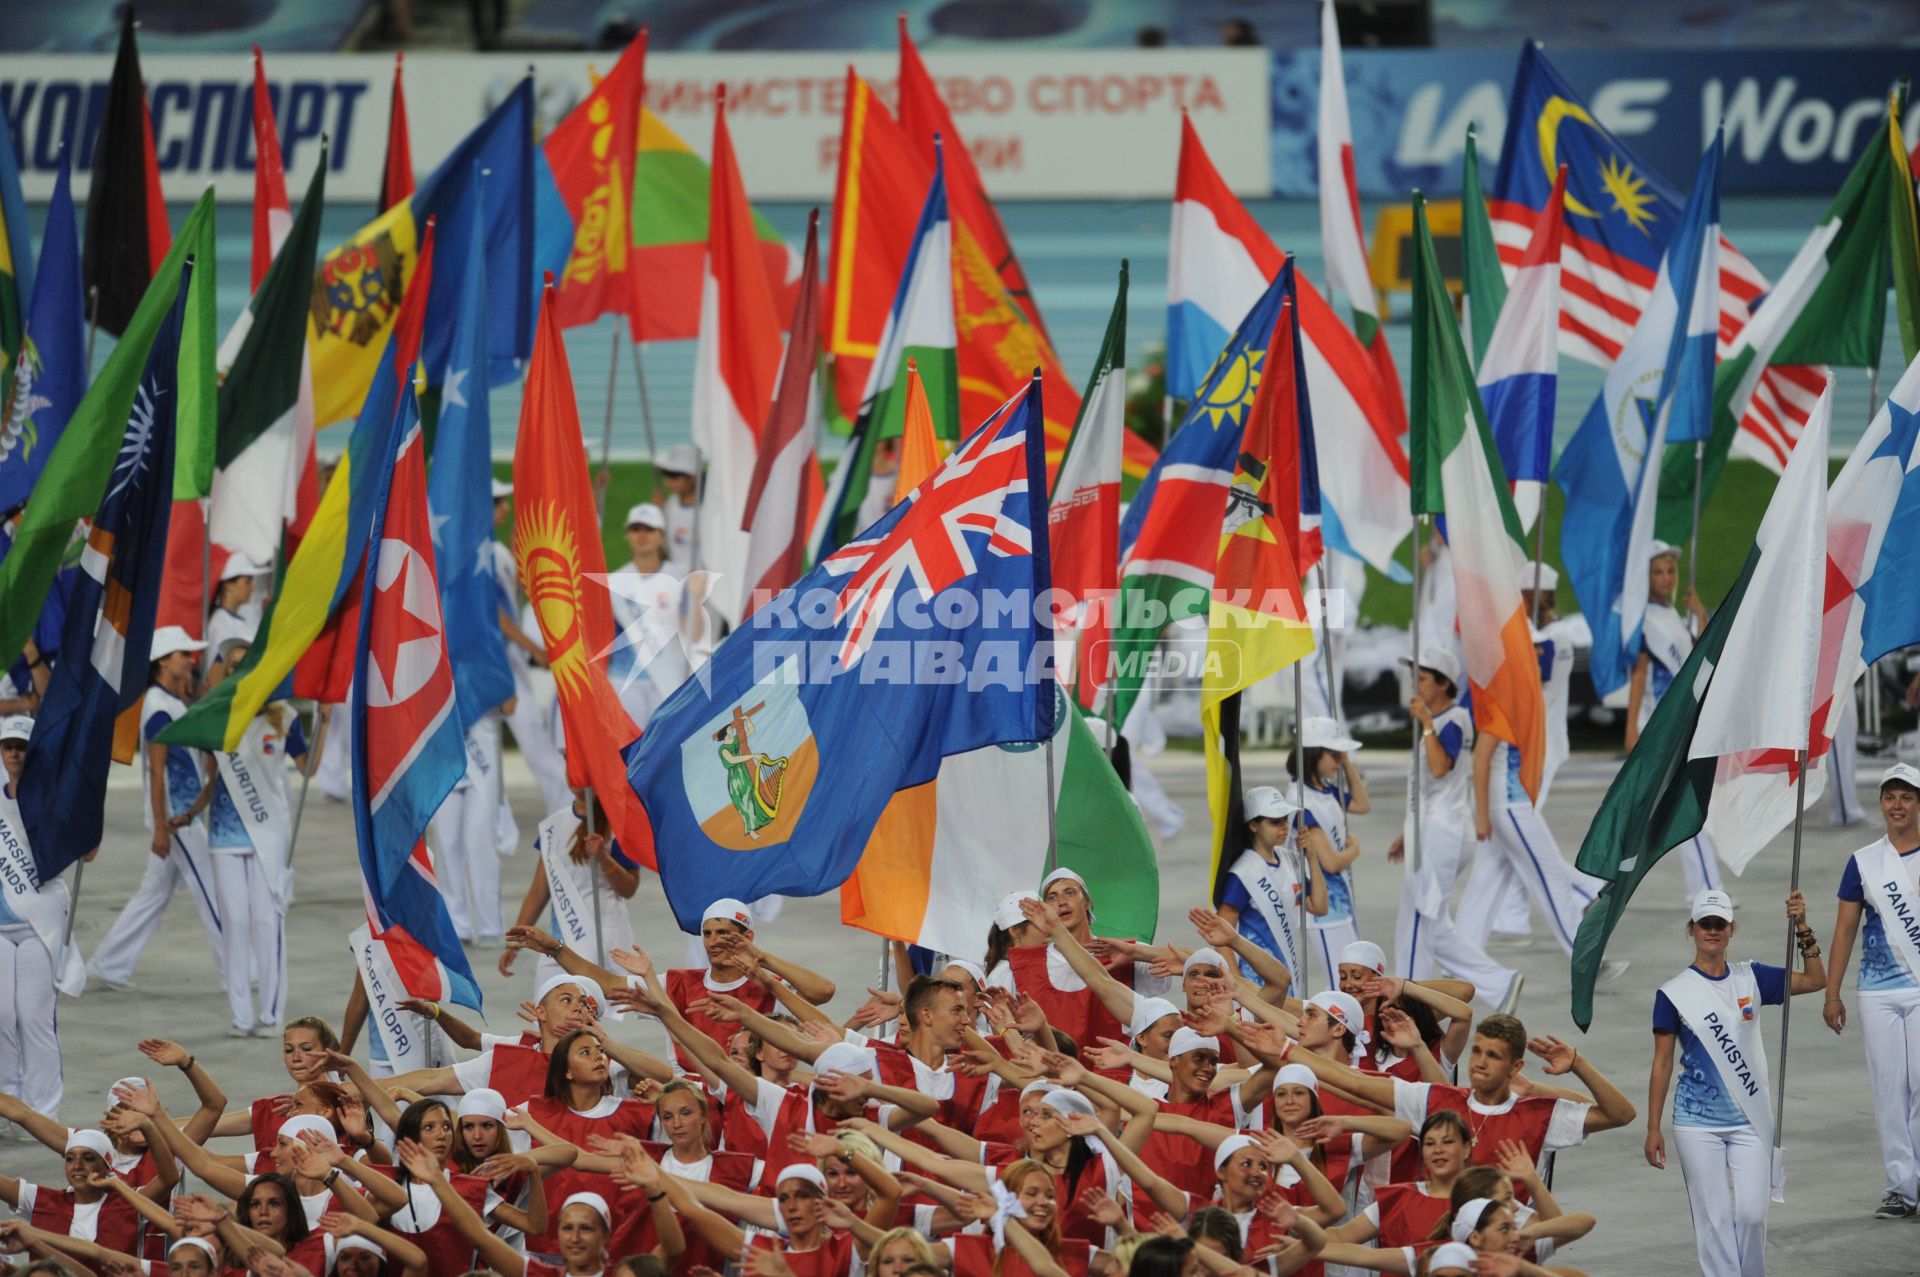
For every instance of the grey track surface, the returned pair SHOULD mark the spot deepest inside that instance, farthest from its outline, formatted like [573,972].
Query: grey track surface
[1833,1179]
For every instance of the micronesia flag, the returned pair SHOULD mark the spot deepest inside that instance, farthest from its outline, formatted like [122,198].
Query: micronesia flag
[1663,380]
[1518,376]
[408,746]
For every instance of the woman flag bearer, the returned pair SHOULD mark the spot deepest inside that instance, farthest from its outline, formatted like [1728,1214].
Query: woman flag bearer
[33,926]
[648,660]
[178,842]
[1722,1116]
[588,881]
[1425,937]
[234,614]
[1879,883]
[1334,791]
[1270,882]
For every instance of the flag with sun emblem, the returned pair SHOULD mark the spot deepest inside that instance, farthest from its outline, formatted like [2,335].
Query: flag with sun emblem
[1169,541]
[556,541]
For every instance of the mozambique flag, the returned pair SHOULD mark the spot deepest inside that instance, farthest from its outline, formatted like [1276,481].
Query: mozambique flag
[556,541]
[126,232]
[591,154]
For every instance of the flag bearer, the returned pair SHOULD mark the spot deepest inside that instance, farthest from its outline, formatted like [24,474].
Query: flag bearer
[1271,886]
[649,594]
[679,472]
[33,928]
[178,841]
[1722,1115]
[1878,885]
[1334,791]
[234,614]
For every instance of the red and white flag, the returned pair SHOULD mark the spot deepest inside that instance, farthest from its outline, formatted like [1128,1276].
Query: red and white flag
[783,497]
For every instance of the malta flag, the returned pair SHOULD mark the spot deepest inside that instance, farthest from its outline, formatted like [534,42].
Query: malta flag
[409,749]
[1219,264]
[1456,472]
[735,366]
[1520,370]
[556,542]
[783,498]
[591,153]
[1083,518]
[1341,237]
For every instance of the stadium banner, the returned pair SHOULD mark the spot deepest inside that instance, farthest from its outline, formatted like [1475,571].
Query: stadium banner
[1796,118]
[1056,124]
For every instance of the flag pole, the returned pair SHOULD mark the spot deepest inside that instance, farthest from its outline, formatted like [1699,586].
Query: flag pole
[599,942]
[1053,840]
[886,967]
[1326,647]
[73,912]
[1872,680]
[646,406]
[93,325]
[1693,538]
[320,724]
[606,427]
[1293,825]
[1414,862]
[1786,1003]
[1540,552]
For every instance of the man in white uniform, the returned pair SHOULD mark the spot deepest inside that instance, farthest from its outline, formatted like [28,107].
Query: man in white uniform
[531,717]
[679,472]
[649,597]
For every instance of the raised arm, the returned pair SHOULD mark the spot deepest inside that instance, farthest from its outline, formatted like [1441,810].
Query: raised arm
[1116,997]
[964,1175]
[724,1006]
[1610,1108]
[493,1252]
[1273,973]
[652,1000]
[1328,1206]
[411,1259]
[213,1100]
[809,984]
[51,1133]
[1163,1194]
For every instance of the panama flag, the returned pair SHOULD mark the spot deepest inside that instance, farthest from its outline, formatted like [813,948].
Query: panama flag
[1219,264]
[1521,365]
[1456,472]
[1083,518]
[409,749]
[1341,238]
[1612,495]
[736,365]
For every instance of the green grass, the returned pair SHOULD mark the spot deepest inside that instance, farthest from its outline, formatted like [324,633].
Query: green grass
[632,483]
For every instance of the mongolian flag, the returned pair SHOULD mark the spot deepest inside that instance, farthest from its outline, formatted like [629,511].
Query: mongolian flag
[591,153]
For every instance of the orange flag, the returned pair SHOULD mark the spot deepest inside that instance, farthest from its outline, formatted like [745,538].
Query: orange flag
[920,450]
[591,154]
[556,542]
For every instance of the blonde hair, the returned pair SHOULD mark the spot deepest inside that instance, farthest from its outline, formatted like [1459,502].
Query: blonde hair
[922,1248]
[1122,1250]
[853,1142]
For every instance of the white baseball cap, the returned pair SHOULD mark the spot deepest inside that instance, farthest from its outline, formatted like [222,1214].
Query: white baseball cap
[682,458]
[727,909]
[1660,550]
[1185,1040]
[1538,576]
[501,489]
[1325,733]
[1008,914]
[169,639]
[1906,773]
[1712,904]
[1440,660]
[647,515]
[16,727]
[240,565]
[1264,802]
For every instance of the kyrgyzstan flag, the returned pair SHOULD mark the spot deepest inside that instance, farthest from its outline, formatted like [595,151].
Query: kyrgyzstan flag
[591,154]
[556,542]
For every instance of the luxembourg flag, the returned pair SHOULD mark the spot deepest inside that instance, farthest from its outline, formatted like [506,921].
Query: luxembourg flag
[1606,528]
[1219,265]
[1519,373]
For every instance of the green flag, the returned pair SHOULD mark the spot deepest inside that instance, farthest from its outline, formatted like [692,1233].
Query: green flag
[75,479]
[1656,802]
[1828,307]
[1483,283]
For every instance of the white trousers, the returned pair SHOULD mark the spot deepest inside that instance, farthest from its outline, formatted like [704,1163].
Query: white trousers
[1324,943]
[1700,865]
[30,1065]
[336,757]
[185,867]
[1424,943]
[254,938]
[465,829]
[1728,1183]
[1890,1028]
[1843,800]
[1521,856]
[534,736]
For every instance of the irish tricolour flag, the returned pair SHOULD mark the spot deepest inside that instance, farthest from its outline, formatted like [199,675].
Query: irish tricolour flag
[1456,472]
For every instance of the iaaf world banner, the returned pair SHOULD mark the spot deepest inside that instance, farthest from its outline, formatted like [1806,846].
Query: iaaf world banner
[1795,119]
[1080,124]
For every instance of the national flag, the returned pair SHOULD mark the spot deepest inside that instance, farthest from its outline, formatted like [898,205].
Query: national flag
[747,757]
[16,253]
[920,449]
[1518,373]
[1483,283]
[99,683]
[556,542]
[1828,307]
[1342,240]
[920,326]
[408,752]
[266,401]
[1169,539]
[1620,216]
[1257,619]
[1890,593]
[79,466]
[945,853]
[127,232]
[877,199]
[396,174]
[460,497]
[494,173]
[272,211]
[591,153]
[313,617]
[671,186]
[1658,800]
[1083,516]
[783,498]
[47,378]
[1611,488]
[1457,472]
[1906,240]
[1218,265]
[735,366]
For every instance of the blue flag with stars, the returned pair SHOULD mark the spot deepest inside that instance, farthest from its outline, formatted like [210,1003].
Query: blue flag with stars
[460,495]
